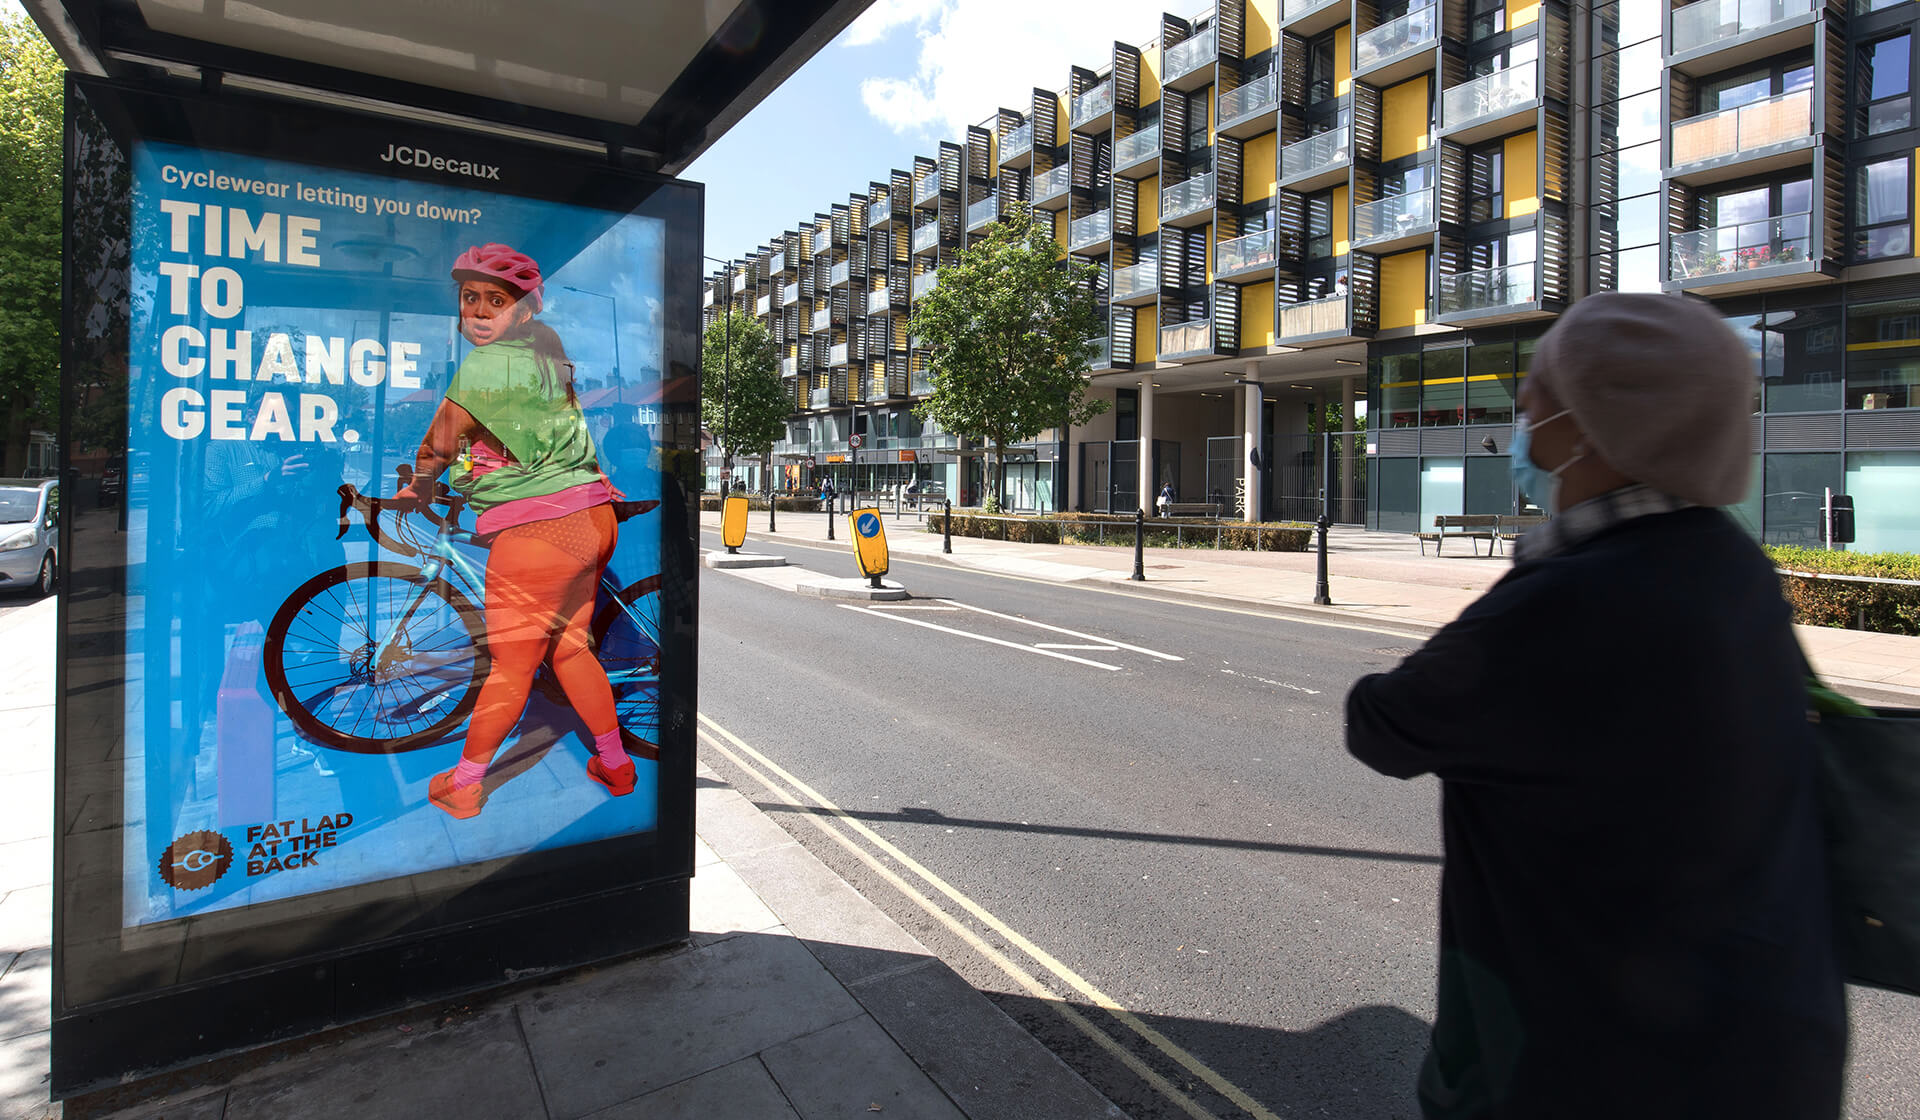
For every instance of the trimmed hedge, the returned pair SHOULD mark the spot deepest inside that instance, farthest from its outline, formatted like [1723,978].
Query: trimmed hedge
[1880,607]
[710,503]
[1061,528]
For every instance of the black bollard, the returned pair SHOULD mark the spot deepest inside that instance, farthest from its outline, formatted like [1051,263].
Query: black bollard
[773,502]
[1139,546]
[830,503]
[946,523]
[1320,590]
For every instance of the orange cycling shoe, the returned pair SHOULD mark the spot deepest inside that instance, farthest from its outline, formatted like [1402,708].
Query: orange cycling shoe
[460,802]
[618,780]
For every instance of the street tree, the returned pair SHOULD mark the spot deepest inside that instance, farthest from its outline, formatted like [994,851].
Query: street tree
[1009,328]
[31,80]
[741,401]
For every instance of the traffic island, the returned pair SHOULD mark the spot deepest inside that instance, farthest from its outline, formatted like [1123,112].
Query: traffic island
[744,560]
[859,588]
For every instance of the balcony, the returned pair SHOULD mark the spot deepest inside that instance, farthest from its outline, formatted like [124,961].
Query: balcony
[1102,353]
[879,212]
[1092,109]
[1314,320]
[739,283]
[1387,53]
[1051,187]
[776,264]
[983,213]
[1017,149]
[837,276]
[823,240]
[926,189]
[1750,256]
[1188,63]
[1137,283]
[706,297]
[1187,340]
[1248,110]
[790,295]
[878,302]
[763,305]
[1250,256]
[1309,17]
[1489,105]
[1713,35]
[1396,222]
[924,283]
[837,356]
[789,367]
[1316,162]
[1189,203]
[1092,234]
[926,237]
[1138,150]
[822,319]
[1747,140]
[1486,292]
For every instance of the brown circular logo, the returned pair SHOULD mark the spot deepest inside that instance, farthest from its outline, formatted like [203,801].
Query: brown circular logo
[196,860]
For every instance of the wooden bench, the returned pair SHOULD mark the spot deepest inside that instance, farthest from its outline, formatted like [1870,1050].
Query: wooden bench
[1512,525]
[1193,509]
[1474,527]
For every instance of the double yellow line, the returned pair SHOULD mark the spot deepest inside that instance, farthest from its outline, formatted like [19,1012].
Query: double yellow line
[838,824]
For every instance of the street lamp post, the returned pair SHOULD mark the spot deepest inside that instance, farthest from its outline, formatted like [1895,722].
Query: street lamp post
[726,378]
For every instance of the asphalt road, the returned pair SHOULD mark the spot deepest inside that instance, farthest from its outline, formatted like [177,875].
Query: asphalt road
[1187,839]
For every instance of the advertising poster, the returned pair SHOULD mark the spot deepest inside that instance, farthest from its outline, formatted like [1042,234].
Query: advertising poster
[336,675]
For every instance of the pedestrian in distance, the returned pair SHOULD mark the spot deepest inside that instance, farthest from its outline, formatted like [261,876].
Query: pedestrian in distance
[1634,913]
[1165,501]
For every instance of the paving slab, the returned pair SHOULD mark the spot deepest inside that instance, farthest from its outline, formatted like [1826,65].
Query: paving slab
[723,906]
[26,995]
[744,1089]
[817,1073]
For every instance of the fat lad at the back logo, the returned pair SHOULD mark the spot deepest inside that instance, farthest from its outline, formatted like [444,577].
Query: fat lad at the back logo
[196,860]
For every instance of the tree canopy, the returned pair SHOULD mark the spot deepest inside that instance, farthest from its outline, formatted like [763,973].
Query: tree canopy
[741,400]
[31,79]
[1009,327]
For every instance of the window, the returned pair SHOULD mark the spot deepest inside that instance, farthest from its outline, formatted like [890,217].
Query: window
[1883,80]
[1197,137]
[1752,225]
[1320,70]
[1443,388]
[1485,18]
[1490,384]
[1398,391]
[1407,180]
[1320,225]
[1883,355]
[1882,209]
[1794,494]
[1800,361]
[1757,83]
[1523,53]
[1487,182]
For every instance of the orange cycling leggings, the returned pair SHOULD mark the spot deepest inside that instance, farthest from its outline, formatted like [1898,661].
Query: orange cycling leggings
[541,579]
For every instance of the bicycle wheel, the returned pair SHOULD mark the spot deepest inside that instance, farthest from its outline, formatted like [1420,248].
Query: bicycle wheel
[325,666]
[626,635]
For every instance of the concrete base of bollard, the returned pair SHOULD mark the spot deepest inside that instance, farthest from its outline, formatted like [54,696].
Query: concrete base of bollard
[744,560]
[856,588]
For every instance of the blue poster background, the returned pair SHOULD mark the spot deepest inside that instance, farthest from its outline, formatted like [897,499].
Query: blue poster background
[237,444]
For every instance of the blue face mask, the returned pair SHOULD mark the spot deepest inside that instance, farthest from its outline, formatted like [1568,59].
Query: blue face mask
[1542,486]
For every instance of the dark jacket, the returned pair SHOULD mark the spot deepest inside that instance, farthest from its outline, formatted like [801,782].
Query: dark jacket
[1634,918]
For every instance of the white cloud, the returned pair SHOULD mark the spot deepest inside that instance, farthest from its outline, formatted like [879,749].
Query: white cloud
[975,56]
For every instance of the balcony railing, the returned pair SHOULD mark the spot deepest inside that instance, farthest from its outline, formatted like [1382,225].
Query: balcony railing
[1319,316]
[789,367]
[837,356]
[877,301]
[776,264]
[1185,57]
[1256,95]
[1392,216]
[879,211]
[1186,198]
[1291,10]
[1711,21]
[837,275]
[926,188]
[1018,143]
[924,283]
[763,305]
[1093,104]
[1254,250]
[706,297]
[1487,288]
[1053,184]
[1490,95]
[1186,338]
[1418,28]
[1746,128]
[1140,145]
[823,240]
[739,283]
[1090,230]
[822,319]
[926,236]
[982,213]
[1102,353]
[790,294]
[1316,153]
[1136,280]
[1712,252]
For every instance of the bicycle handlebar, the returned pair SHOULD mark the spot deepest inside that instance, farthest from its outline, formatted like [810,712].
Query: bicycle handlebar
[369,507]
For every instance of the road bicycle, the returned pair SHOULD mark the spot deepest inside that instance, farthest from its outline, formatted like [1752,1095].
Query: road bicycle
[383,657]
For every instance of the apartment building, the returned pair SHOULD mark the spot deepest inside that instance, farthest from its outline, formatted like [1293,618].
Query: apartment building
[1309,209]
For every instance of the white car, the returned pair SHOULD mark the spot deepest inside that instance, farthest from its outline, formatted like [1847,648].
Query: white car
[29,534]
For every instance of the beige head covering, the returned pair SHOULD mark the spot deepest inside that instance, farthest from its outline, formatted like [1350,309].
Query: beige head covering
[1661,386]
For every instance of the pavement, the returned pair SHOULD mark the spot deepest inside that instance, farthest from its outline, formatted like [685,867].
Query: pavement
[1375,579]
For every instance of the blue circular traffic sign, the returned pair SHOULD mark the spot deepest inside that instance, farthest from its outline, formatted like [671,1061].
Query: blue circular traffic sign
[869,525]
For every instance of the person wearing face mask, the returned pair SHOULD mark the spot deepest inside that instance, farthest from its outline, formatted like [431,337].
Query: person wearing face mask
[1634,916]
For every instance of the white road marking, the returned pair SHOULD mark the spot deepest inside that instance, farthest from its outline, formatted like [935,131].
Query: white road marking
[1070,633]
[980,637]
[1276,684]
[912,607]
[1066,645]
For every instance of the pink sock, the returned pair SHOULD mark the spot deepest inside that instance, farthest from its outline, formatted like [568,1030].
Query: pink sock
[467,773]
[613,754]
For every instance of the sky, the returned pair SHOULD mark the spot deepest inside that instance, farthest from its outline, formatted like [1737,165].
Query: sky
[904,76]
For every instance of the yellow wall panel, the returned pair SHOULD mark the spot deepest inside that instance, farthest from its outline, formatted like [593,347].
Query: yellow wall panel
[1257,168]
[1149,76]
[1146,334]
[1343,60]
[1405,111]
[1060,231]
[1341,242]
[1263,17]
[1209,242]
[1403,289]
[1523,195]
[1060,121]
[1256,315]
[1522,12]
[1148,219]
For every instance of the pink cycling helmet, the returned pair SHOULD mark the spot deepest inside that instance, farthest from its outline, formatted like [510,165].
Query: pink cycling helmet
[504,264]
